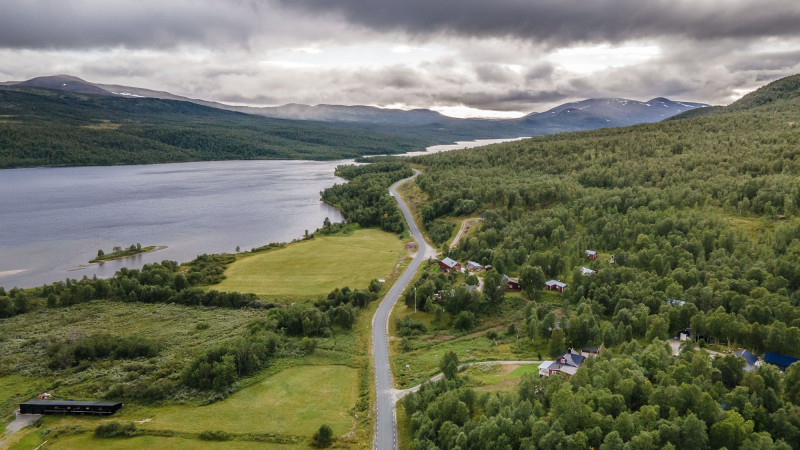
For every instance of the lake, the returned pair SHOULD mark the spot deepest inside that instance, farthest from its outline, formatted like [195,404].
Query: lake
[53,220]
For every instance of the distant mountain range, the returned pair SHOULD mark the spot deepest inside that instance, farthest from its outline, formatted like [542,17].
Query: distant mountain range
[430,125]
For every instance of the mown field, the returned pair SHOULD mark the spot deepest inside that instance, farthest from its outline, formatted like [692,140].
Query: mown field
[292,401]
[288,405]
[316,267]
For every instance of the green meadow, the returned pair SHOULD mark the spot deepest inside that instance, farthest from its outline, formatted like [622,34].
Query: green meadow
[318,266]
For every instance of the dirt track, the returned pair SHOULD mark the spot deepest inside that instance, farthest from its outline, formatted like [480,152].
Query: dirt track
[465,225]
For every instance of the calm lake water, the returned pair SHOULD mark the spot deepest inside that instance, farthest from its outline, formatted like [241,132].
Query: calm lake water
[53,220]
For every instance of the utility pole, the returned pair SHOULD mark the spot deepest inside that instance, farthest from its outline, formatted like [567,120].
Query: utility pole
[415,300]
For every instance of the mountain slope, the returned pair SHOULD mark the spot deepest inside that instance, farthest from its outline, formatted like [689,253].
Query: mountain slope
[779,92]
[433,126]
[98,122]
[65,83]
[622,112]
[48,127]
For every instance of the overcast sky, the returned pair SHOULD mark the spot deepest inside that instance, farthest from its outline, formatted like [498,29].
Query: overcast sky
[460,57]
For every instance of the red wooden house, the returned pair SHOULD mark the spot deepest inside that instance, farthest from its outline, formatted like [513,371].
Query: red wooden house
[555,285]
[448,264]
[512,284]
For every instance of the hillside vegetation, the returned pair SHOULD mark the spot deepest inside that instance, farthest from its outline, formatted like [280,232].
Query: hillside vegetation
[702,210]
[40,127]
[165,342]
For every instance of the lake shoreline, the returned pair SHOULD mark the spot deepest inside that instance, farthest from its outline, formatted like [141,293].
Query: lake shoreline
[226,204]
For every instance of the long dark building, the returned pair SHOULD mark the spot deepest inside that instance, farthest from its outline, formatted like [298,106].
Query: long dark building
[69,407]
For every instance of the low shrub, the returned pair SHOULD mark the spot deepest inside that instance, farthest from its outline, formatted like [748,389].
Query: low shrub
[215,436]
[116,429]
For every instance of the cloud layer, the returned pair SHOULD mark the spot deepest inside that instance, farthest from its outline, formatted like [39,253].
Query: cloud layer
[504,55]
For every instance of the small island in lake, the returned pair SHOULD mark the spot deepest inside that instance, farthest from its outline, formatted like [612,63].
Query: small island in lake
[119,252]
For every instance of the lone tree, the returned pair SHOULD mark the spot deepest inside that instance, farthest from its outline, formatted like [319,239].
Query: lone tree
[449,365]
[323,437]
[100,253]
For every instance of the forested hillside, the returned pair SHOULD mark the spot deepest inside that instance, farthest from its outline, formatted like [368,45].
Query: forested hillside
[702,211]
[40,127]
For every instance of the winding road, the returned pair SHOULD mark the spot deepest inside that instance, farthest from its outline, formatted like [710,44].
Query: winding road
[385,419]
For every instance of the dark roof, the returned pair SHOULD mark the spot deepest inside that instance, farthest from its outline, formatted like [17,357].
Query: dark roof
[750,358]
[572,358]
[68,403]
[591,349]
[779,360]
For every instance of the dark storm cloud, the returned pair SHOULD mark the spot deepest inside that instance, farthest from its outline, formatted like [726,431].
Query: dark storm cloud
[493,73]
[767,61]
[142,24]
[563,22]
[504,55]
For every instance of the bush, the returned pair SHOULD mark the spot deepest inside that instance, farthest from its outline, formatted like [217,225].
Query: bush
[215,436]
[100,346]
[409,327]
[307,345]
[116,429]
[465,321]
[406,344]
[375,285]
[323,437]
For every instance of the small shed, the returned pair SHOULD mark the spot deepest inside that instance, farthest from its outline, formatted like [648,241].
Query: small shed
[512,284]
[591,254]
[684,334]
[37,406]
[555,285]
[448,264]
[587,272]
[589,351]
[474,267]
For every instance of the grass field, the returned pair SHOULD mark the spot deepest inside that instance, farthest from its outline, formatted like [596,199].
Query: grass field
[497,377]
[316,267]
[87,440]
[294,401]
[15,389]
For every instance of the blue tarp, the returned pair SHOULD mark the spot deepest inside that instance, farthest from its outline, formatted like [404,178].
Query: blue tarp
[779,360]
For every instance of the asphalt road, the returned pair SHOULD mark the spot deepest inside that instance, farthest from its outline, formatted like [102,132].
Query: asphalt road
[385,419]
